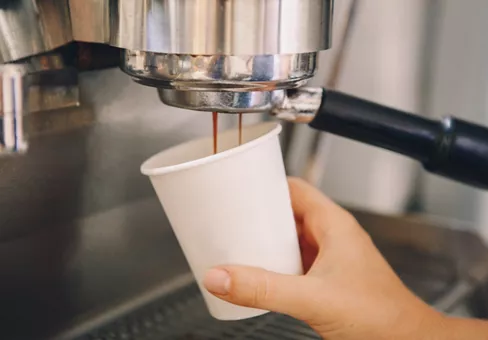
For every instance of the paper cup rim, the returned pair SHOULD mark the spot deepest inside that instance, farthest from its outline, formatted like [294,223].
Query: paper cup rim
[209,159]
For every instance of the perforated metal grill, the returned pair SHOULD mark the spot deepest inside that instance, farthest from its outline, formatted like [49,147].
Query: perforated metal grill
[183,316]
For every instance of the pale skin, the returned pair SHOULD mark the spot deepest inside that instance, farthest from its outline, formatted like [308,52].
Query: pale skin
[349,291]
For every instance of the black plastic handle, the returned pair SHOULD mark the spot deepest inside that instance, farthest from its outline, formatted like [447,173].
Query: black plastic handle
[452,147]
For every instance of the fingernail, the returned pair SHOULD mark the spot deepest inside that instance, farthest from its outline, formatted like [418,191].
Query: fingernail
[217,281]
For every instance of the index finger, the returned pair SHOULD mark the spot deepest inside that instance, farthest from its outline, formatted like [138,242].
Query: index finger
[318,213]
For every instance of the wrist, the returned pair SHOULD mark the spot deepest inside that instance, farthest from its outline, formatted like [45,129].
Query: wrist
[418,321]
[430,325]
[436,327]
[454,328]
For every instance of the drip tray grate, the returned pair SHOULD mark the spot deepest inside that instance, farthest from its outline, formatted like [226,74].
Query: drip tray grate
[183,316]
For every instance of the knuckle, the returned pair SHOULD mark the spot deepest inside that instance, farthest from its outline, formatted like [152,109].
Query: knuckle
[349,220]
[251,290]
[262,291]
[265,291]
[296,183]
[295,180]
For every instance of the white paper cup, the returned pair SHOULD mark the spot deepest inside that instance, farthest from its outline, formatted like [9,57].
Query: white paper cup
[230,208]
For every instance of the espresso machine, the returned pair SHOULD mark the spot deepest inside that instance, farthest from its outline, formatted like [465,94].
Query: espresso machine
[235,56]
[226,56]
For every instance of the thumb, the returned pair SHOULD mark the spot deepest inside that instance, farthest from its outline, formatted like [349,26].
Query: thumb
[262,289]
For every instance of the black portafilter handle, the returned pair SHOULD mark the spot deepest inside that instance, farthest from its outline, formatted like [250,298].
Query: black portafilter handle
[452,148]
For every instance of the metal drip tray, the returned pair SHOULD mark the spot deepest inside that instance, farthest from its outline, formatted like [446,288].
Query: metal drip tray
[182,315]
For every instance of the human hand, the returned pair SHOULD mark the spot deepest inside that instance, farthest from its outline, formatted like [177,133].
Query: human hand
[349,291]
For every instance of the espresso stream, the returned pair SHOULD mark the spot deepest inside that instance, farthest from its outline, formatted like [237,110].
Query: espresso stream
[215,123]
[215,120]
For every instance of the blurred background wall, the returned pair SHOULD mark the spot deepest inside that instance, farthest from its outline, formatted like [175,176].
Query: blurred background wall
[428,57]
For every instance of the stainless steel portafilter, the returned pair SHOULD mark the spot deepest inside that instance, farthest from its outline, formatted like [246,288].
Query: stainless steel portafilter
[230,56]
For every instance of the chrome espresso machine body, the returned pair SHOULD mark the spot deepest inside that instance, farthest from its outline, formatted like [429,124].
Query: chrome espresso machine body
[83,242]
[215,55]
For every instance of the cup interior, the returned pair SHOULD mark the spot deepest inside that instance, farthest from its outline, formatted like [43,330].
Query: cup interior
[200,151]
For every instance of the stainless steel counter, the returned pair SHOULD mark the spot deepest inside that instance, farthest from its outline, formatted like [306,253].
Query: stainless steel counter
[57,277]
